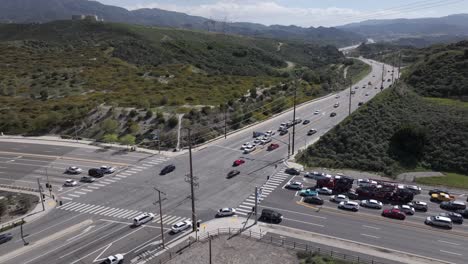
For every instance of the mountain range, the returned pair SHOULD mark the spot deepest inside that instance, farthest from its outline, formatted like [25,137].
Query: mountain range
[29,11]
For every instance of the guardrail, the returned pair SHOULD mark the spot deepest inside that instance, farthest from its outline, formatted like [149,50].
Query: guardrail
[14,187]
[11,225]
[277,241]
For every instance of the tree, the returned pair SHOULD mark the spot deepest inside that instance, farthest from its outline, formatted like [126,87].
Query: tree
[134,128]
[408,142]
[44,95]
[109,126]
[172,122]
[110,138]
[149,114]
[128,140]
[3,205]
[253,92]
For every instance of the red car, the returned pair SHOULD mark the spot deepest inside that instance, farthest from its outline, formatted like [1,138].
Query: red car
[394,213]
[238,162]
[273,146]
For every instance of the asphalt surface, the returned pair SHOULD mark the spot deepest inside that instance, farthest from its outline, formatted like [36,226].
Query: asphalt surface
[94,219]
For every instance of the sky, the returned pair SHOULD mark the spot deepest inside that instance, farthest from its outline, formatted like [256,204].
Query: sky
[301,12]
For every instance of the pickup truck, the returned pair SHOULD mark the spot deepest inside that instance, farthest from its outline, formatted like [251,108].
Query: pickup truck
[115,259]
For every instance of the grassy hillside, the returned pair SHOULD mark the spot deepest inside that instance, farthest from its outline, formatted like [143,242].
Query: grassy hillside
[396,131]
[71,77]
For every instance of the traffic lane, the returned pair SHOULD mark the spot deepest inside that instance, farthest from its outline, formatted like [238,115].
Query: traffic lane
[35,148]
[391,234]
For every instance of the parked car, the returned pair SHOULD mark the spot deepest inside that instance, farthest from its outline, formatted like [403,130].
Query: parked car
[96,173]
[313,200]
[332,114]
[308,192]
[455,217]
[273,147]
[418,206]
[107,169]
[73,170]
[168,169]
[70,183]
[367,94]
[453,205]
[294,185]
[439,221]
[271,216]
[305,122]
[349,205]
[394,213]
[371,204]
[232,174]
[339,198]
[311,132]
[315,175]
[87,179]
[292,171]
[405,209]
[181,226]
[5,237]
[238,162]
[114,259]
[226,212]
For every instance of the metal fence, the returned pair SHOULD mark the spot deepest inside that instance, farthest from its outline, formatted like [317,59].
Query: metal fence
[277,241]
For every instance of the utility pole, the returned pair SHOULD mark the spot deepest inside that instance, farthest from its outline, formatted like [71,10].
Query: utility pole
[225,122]
[48,183]
[209,241]
[194,218]
[350,94]
[399,66]
[383,72]
[160,215]
[40,192]
[294,117]
[289,145]
[393,69]
[22,234]
[256,203]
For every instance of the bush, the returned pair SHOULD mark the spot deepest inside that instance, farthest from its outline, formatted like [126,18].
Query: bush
[110,138]
[172,122]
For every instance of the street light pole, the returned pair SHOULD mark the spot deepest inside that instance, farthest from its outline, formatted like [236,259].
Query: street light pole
[350,94]
[194,218]
[294,116]
[160,216]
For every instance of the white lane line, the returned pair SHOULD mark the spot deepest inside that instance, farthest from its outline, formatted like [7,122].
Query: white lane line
[244,206]
[66,198]
[250,200]
[371,227]
[67,205]
[80,192]
[366,235]
[98,208]
[251,204]
[269,188]
[86,190]
[104,182]
[97,184]
[169,219]
[108,180]
[121,176]
[308,223]
[243,210]
[175,220]
[241,213]
[126,173]
[93,187]
[449,252]
[72,195]
[450,243]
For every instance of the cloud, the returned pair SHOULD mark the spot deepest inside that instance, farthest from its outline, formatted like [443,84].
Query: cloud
[264,12]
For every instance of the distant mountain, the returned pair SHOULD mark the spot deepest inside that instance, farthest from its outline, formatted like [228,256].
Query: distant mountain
[28,11]
[393,29]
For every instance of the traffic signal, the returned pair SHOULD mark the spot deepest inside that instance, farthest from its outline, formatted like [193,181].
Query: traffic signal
[198,224]
[47,185]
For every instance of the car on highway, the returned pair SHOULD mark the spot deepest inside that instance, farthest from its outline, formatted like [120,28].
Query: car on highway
[455,217]
[273,147]
[464,213]
[414,188]
[297,121]
[70,183]
[442,197]
[339,198]
[271,216]
[142,219]
[352,194]
[181,226]
[394,213]
[238,162]
[308,192]
[96,173]
[107,169]
[360,103]
[349,205]
[227,211]
[337,96]
[433,191]
[283,126]
[324,190]
[87,179]
[257,140]
[316,112]
[311,132]
[305,122]
[114,259]
[294,185]
[353,92]
[168,169]
[245,145]
[418,206]
[313,200]
[270,133]
[315,175]
[453,205]
[336,105]
[5,237]
[292,171]
[73,170]
[356,87]
[232,174]
[389,80]
[439,221]
[405,209]
[283,132]
[374,204]
[332,114]
[265,140]
[249,149]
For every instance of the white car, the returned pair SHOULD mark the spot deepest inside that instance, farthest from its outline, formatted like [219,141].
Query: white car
[265,140]
[181,226]
[324,190]
[70,183]
[416,189]
[74,170]
[349,205]
[107,169]
[270,133]
[405,209]
[245,145]
[339,198]
[283,126]
[257,140]
[372,204]
[439,221]
[294,185]
[117,258]
[249,149]
[316,112]
[226,212]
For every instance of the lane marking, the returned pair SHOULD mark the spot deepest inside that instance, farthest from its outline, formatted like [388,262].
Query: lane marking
[449,252]
[371,227]
[450,243]
[366,235]
[308,223]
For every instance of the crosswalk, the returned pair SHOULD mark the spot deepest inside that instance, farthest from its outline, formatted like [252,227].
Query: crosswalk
[273,182]
[119,175]
[117,212]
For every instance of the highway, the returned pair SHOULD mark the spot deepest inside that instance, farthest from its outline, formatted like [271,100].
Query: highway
[94,220]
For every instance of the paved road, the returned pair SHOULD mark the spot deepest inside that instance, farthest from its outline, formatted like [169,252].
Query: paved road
[112,202]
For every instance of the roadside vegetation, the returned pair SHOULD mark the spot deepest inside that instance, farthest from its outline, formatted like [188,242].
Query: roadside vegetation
[357,70]
[449,180]
[307,258]
[13,205]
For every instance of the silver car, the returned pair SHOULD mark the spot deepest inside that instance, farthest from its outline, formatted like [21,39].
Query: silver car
[226,212]
[372,204]
[181,226]
[440,221]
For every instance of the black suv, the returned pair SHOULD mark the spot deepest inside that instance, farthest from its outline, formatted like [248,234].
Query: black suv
[313,200]
[453,205]
[292,171]
[455,217]
[464,213]
[332,114]
[96,173]
[270,216]
[167,169]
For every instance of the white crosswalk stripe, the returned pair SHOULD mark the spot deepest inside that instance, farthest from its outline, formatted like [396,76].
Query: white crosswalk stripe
[67,198]
[73,195]
[93,187]
[97,184]
[80,192]
[86,190]
[121,176]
